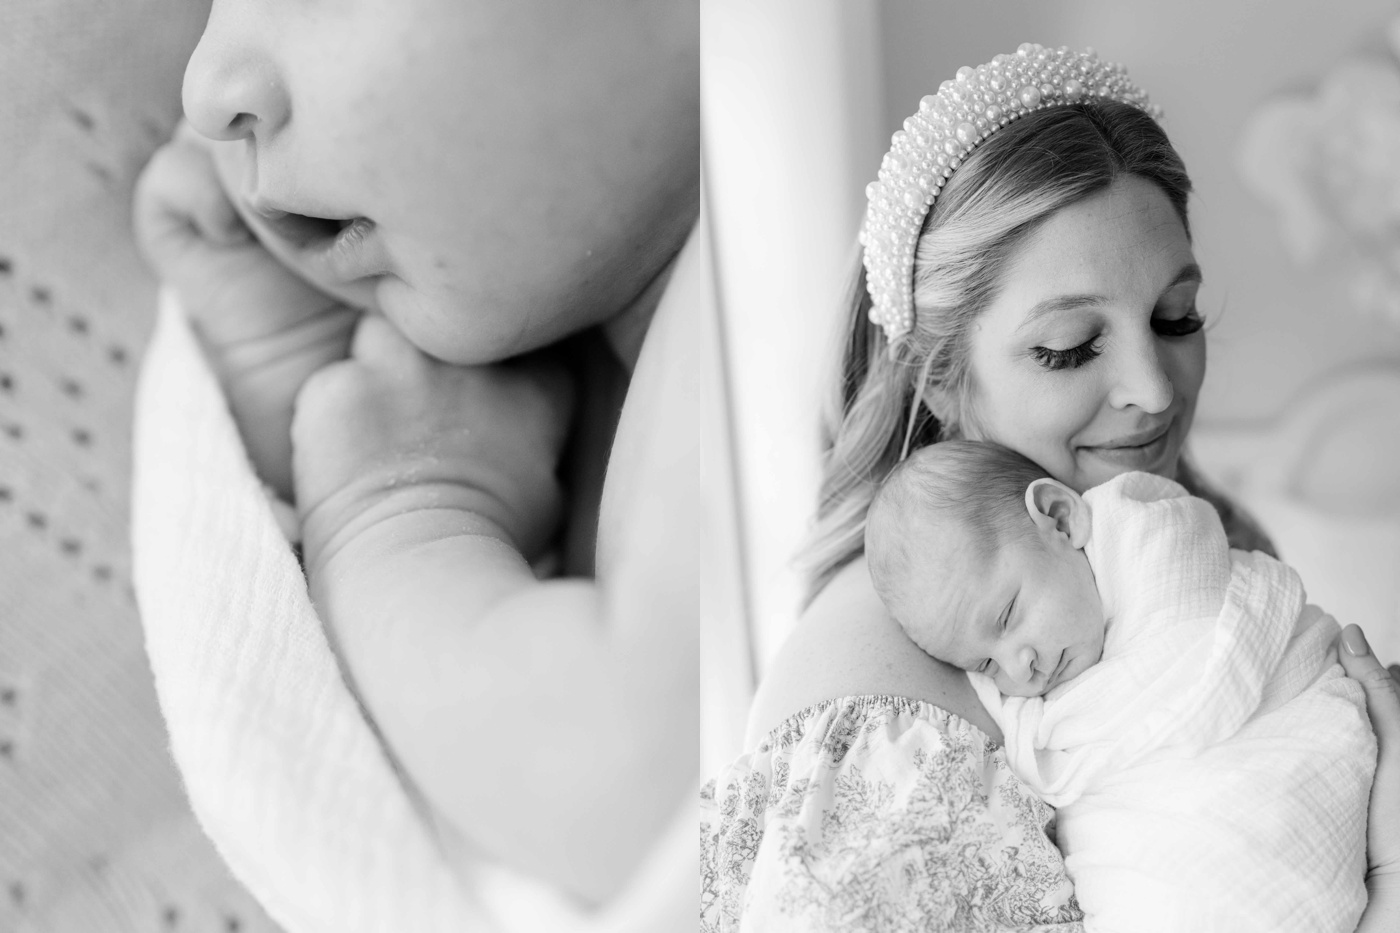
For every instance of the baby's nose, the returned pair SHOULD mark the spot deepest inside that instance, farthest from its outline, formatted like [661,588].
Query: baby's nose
[232,88]
[1020,665]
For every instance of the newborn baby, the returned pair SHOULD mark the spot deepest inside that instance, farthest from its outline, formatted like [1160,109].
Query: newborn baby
[1176,700]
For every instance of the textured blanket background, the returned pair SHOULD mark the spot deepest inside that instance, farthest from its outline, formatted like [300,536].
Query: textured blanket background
[95,833]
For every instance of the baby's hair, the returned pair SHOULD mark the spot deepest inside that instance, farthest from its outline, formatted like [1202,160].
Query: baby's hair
[972,486]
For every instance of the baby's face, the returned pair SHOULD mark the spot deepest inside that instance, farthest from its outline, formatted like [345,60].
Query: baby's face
[1029,616]
[505,172]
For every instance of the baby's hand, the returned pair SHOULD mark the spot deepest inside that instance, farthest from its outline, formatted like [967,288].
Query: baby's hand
[264,329]
[391,430]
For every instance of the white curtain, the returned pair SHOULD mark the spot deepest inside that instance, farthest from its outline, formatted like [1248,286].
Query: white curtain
[791,119]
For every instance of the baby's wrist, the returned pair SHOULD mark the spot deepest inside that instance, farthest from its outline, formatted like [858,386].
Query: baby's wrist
[261,375]
[286,356]
[385,515]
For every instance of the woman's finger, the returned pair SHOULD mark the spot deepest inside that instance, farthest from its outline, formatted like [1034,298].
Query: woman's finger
[1383,706]
[1382,691]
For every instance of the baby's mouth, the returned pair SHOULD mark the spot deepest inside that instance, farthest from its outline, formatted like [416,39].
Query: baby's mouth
[334,250]
[301,230]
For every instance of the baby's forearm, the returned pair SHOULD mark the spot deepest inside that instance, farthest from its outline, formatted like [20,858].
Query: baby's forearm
[457,650]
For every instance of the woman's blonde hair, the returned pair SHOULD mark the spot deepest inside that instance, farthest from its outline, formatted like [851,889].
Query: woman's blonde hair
[887,403]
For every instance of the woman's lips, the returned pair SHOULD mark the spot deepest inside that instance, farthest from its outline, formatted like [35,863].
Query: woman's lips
[1142,450]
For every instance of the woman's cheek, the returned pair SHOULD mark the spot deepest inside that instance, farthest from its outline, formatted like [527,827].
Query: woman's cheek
[1189,365]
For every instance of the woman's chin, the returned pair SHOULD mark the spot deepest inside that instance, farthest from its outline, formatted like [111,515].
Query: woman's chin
[1095,469]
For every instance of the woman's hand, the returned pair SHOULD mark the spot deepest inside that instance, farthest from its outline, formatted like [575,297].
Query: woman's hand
[264,329]
[1383,824]
[391,429]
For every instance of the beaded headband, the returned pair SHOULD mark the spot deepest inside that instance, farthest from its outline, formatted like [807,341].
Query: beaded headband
[938,138]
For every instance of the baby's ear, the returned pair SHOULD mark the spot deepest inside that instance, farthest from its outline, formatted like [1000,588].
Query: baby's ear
[1053,506]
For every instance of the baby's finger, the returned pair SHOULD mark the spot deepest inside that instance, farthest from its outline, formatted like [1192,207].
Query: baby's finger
[380,344]
[180,204]
[1382,691]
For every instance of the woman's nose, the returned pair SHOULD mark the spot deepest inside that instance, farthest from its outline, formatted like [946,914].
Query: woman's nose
[1140,379]
[232,88]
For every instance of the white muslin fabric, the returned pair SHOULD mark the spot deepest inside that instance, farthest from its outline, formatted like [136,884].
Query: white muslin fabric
[1212,771]
[282,768]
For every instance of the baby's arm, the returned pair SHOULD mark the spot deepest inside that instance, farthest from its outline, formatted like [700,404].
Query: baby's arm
[263,329]
[551,724]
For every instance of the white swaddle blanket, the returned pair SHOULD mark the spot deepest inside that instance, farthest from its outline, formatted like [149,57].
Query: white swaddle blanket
[1212,771]
[282,769]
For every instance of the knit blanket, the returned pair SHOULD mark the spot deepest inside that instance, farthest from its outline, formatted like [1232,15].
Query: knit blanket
[283,770]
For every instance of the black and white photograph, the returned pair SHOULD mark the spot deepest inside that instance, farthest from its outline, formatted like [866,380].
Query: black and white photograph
[1062,347]
[453,450]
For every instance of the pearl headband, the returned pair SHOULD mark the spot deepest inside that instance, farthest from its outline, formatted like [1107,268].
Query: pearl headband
[938,138]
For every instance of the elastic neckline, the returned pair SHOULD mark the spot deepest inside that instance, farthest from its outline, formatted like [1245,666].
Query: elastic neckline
[885,701]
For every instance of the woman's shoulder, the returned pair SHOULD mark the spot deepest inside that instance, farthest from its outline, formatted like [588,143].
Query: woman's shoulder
[910,807]
[846,645]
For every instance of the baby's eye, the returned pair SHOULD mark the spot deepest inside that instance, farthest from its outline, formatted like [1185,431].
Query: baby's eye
[1073,358]
[1189,323]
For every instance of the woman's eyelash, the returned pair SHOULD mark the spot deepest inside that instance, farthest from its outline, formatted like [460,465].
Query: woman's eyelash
[1184,326]
[1072,358]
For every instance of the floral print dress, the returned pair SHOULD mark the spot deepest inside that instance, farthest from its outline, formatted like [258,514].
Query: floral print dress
[878,813]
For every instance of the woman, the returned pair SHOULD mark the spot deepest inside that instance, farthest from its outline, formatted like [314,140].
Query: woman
[1040,215]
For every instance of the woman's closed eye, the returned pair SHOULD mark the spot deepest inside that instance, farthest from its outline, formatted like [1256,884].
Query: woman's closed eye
[1073,358]
[1184,326]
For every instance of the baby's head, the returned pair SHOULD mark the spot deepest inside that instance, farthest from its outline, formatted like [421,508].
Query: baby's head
[506,172]
[978,555]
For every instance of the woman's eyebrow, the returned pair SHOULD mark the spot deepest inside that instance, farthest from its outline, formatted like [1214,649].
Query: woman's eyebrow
[1191,272]
[1059,303]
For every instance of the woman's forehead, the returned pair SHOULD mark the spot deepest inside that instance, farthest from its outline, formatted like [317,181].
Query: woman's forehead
[1125,243]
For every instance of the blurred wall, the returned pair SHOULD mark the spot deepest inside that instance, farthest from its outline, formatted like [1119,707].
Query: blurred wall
[95,833]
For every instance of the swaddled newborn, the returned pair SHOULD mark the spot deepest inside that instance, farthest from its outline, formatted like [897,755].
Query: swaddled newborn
[1176,700]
